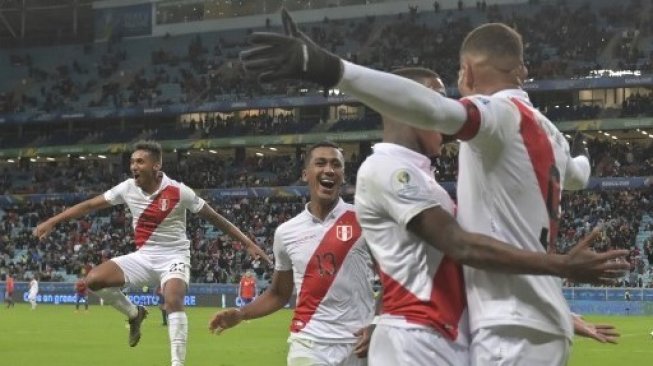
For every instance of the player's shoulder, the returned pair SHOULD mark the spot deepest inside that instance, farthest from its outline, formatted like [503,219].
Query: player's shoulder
[300,220]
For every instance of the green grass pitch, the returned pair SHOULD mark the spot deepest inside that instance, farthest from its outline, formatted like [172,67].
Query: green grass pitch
[57,336]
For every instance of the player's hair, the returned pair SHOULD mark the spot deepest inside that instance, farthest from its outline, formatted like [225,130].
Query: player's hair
[309,152]
[494,40]
[416,73]
[419,74]
[153,147]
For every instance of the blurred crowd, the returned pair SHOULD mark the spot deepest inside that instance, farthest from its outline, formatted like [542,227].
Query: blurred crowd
[562,39]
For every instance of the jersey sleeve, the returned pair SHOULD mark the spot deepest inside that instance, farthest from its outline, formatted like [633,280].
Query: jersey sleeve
[190,200]
[406,192]
[116,195]
[577,174]
[282,260]
[489,120]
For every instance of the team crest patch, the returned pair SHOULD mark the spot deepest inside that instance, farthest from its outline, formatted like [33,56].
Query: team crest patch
[344,232]
[164,204]
[402,177]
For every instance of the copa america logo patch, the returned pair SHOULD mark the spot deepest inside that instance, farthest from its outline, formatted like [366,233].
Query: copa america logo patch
[344,232]
[164,203]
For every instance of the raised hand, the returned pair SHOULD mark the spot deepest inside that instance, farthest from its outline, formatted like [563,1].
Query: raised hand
[578,146]
[364,336]
[290,56]
[584,265]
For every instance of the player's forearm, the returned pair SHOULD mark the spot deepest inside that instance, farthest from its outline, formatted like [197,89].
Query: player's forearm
[267,303]
[402,99]
[483,252]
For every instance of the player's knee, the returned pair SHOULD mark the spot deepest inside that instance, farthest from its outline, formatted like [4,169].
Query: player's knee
[174,304]
[94,282]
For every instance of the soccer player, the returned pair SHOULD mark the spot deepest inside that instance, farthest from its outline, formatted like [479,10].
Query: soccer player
[9,291]
[33,291]
[81,294]
[513,164]
[158,205]
[322,251]
[247,288]
[408,222]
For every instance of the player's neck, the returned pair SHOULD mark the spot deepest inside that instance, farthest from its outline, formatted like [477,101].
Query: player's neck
[321,209]
[154,185]
[402,135]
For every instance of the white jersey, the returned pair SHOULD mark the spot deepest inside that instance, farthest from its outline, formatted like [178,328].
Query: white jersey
[33,287]
[332,271]
[159,219]
[422,288]
[512,167]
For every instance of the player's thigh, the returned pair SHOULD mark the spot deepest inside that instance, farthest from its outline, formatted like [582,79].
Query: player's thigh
[518,346]
[133,269]
[416,347]
[171,265]
[304,352]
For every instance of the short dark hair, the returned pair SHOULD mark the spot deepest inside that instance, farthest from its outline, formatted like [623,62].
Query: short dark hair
[309,152]
[151,146]
[421,75]
[494,40]
[416,73]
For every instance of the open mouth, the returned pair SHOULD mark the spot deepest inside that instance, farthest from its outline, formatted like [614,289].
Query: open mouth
[327,183]
[136,175]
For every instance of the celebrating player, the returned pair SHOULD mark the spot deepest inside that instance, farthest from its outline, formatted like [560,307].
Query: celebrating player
[513,163]
[158,205]
[322,250]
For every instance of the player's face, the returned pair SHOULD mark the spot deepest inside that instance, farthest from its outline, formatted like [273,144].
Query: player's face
[144,167]
[325,174]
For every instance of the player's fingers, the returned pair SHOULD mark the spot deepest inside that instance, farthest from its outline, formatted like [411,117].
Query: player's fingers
[614,254]
[257,53]
[267,38]
[609,273]
[289,25]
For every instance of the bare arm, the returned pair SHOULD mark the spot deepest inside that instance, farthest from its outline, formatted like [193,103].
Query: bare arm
[273,299]
[402,99]
[209,214]
[440,230]
[83,208]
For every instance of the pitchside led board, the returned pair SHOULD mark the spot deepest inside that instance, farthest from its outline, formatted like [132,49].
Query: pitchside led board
[209,295]
[115,23]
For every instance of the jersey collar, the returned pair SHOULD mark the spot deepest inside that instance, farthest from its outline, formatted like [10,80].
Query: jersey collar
[335,212]
[398,151]
[514,93]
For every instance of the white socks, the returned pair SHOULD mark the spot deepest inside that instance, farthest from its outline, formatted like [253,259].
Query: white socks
[33,302]
[114,297]
[178,332]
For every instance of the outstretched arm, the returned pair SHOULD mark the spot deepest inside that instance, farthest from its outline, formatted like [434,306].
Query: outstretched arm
[83,208]
[440,230]
[402,99]
[273,299]
[209,214]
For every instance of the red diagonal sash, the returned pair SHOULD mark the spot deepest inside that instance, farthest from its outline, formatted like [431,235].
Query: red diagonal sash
[155,213]
[323,267]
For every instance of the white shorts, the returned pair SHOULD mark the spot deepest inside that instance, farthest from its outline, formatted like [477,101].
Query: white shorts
[395,346]
[518,346]
[32,296]
[305,352]
[148,269]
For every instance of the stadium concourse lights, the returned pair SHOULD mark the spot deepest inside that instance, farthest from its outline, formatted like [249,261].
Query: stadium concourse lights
[11,161]
[259,154]
[213,151]
[102,156]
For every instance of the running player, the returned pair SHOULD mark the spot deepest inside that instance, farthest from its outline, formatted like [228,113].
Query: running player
[323,252]
[158,205]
